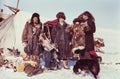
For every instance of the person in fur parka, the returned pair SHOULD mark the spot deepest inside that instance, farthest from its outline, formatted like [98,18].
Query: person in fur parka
[30,37]
[78,38]
[89,30]
[61,39]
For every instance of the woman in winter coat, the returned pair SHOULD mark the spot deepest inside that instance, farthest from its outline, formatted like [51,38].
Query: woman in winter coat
[89,30]
[61,39]
[78,37]
[30,37]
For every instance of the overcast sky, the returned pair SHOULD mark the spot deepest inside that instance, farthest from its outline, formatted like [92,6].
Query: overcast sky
[106,12]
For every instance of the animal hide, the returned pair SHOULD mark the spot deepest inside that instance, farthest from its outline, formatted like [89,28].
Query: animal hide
[32,70]
[46,43]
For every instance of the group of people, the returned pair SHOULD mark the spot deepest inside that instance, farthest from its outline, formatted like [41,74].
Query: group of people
[65,37]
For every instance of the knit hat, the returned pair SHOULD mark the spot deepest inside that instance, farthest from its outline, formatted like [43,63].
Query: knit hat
[76,20]
[60,15]
[35,15]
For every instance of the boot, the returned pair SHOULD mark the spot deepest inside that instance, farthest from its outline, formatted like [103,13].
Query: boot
[65,64]
[59,66]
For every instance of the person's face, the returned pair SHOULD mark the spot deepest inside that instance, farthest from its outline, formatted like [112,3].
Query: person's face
[77,23]
[85,17]
[35,20]
[61,20]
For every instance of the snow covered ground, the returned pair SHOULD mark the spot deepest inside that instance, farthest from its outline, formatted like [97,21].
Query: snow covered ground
[108,71]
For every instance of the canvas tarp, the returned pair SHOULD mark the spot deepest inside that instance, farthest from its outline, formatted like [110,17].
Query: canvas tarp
[11,30]
[7,33]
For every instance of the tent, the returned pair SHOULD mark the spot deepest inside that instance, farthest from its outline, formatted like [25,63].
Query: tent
[11,30]
[7,33]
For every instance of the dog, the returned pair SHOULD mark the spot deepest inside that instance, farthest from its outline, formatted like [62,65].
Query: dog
[88,65]
[91,54]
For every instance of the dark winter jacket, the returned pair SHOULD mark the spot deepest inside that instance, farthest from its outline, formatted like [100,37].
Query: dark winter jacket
[89,37]
[61,39]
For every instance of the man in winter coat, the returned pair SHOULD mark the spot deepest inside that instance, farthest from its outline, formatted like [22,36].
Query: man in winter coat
[61,39]
[30,37]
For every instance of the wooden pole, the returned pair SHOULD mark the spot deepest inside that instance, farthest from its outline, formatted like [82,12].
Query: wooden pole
[17,4]
[15,10]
